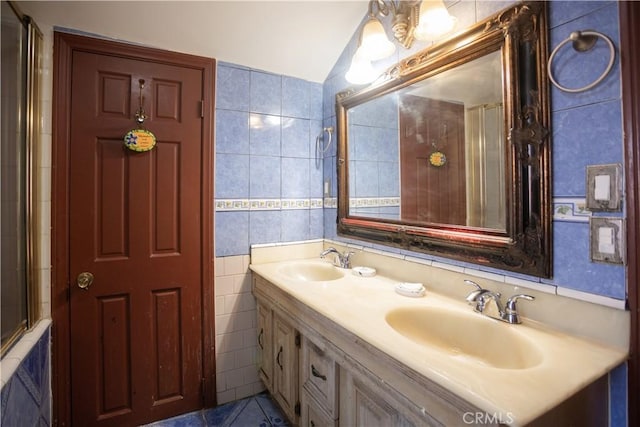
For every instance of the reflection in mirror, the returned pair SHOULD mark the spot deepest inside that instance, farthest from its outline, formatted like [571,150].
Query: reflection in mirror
[448,151]
[433,152]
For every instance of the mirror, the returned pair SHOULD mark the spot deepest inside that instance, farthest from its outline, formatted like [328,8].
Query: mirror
[448,152]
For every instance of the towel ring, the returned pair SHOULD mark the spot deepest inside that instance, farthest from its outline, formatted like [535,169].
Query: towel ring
[582,42]
[320,147]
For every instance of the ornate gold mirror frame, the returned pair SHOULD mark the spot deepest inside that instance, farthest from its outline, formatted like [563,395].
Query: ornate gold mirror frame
[519,33]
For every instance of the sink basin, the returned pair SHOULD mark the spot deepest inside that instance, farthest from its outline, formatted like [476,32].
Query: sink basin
[311,271]
[469,337]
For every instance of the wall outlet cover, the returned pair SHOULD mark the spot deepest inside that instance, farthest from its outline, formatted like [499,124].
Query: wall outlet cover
[604,184]
[607,240]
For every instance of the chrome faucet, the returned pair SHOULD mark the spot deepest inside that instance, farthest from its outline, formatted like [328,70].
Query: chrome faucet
[481,298]
[344,259]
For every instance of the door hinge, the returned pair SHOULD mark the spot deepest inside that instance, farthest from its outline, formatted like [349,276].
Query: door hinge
[296,409]
[202,108]
[298,340]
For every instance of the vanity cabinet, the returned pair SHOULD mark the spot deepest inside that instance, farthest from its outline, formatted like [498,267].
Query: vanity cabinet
[322,375]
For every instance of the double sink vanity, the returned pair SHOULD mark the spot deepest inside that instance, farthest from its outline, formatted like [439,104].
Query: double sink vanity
[339,349]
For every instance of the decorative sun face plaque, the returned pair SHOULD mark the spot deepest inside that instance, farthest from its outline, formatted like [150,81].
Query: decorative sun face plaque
[437,159]
[139,140]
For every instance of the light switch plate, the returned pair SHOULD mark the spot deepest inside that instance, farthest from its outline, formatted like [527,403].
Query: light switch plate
[326,191]
[604,188]
[607,240]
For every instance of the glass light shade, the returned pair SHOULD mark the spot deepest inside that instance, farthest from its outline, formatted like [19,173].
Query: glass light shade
[361,71]
[434,20]
[375,44]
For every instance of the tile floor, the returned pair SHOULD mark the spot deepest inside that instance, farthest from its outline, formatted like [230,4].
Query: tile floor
[256,411]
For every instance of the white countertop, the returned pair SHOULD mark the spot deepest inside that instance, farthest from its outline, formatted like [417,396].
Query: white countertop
[359,305]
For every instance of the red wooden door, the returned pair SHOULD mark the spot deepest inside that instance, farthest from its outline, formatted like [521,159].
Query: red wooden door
[429,193]
[135,225]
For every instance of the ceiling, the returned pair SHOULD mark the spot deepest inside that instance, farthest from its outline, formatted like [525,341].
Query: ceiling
[302,38]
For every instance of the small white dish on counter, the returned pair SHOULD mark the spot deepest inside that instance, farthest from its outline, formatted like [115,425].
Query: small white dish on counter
[410,289]
[363,271]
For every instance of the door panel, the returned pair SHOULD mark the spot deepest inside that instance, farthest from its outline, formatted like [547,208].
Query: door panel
[114,383]
[430,193]
[167,345]
[135,224]
[165,225]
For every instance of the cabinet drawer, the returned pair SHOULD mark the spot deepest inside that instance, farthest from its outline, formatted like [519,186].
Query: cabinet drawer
[320,377]
[313,414]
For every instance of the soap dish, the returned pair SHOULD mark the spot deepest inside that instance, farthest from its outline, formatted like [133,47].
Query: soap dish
[410,289]
[363,271]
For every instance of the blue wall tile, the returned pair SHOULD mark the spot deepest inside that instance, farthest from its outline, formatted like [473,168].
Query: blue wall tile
[232,88]
[295,225]
[232,176]
[295,137]
[264,227]
[330,216]
[232,132]
[316,223]
[26,398]
[295,97]
[232,233]
[618,393]
[266,93]
[315,178]
[593,132]
[573,268]
[264,135]
[565,11]
[264,177]
[315,101]
[295,178]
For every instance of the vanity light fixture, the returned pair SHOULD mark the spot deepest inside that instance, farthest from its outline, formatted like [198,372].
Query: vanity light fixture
[424,20]
[435,20]
[361,71]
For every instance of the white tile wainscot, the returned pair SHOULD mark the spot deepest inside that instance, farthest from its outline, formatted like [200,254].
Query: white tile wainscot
[410,384]
[235,328]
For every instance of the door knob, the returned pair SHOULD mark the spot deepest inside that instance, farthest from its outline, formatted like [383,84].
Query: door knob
[85,280]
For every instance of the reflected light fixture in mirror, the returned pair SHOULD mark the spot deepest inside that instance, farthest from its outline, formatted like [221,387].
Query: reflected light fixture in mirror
[424,20]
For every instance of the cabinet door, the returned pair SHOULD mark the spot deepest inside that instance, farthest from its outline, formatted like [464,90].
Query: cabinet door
[361,406]
[285,375]
[265,344]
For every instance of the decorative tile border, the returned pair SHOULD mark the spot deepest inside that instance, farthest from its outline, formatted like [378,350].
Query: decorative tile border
[235,205]
[331,202]
[373,202]
[564,208]
[570,209]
